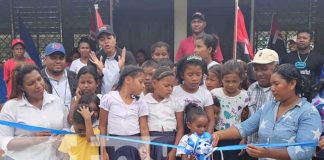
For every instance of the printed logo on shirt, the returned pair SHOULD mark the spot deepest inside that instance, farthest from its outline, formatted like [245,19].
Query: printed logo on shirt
[195,101]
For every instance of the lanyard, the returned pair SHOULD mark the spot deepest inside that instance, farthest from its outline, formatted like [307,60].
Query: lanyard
[64,91]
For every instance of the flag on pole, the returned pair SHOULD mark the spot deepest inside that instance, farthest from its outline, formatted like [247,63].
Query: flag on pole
[98,17]
[244,50]
[276,41]
[29,44]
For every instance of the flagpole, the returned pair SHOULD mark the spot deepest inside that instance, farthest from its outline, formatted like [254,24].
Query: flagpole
[252,24]
[268,46]
[12,20]
[235,30]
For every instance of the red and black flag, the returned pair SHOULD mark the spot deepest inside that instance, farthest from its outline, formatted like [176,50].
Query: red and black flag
[243,49]
[276,41]
[98,16]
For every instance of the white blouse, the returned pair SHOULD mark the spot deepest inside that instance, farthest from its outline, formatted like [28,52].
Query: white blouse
[53,115]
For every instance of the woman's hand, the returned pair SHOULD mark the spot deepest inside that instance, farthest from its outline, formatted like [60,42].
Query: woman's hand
[257,152]
[99,63]
[41,137]
[243,141]
[216,137]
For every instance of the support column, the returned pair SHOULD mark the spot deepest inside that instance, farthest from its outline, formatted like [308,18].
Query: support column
[180,22]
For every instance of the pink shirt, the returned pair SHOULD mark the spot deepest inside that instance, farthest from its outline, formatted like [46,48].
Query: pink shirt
[8,68]
[187,47]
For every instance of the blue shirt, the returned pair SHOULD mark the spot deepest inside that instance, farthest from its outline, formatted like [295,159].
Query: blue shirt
[301,123]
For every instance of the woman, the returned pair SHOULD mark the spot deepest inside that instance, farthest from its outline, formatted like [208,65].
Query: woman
[30,104]
[287,119]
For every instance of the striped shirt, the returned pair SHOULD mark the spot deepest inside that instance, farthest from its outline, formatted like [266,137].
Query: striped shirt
[258,97]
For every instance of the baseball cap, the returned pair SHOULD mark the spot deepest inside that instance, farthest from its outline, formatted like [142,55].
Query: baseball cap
[265,56]
[17,41]
[198,15]
[104,29]
[54,47]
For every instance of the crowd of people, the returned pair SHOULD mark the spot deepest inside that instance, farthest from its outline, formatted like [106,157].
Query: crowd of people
[113,92]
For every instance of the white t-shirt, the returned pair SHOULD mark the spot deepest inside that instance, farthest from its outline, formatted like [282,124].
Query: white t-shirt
[123,119]
[231,107]
[202,96]
[212,63]
[183,143]
[76,65]
[162,114]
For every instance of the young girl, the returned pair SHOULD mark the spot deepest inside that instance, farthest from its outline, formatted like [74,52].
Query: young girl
[205,46]
[83,145]
[165,119]
[149,68]
[92,101]
[125,115]
[84,50]
[197,121]
[88,81]
[190,71]
[232,102]
[213,79]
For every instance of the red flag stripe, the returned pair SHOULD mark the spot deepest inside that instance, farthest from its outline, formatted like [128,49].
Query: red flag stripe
[98,17]
[242,35]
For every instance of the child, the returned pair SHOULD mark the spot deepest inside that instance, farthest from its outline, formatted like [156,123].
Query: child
[160,50]
[213,79]
[82,146]
[92,101]
[84,50]
[165,119]
[140,56]
[167,63]
[232,101]
[149,68]
[125,114]
[190,71]
[205,46]
[245,81]
[88,81]
[197,121]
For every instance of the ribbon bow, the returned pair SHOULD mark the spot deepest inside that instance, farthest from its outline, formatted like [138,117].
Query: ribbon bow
[199,146]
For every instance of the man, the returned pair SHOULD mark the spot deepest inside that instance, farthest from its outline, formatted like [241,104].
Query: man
[110,59]
[305,60]
[18,52]
[187,46]
[259,92]
[60,81]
